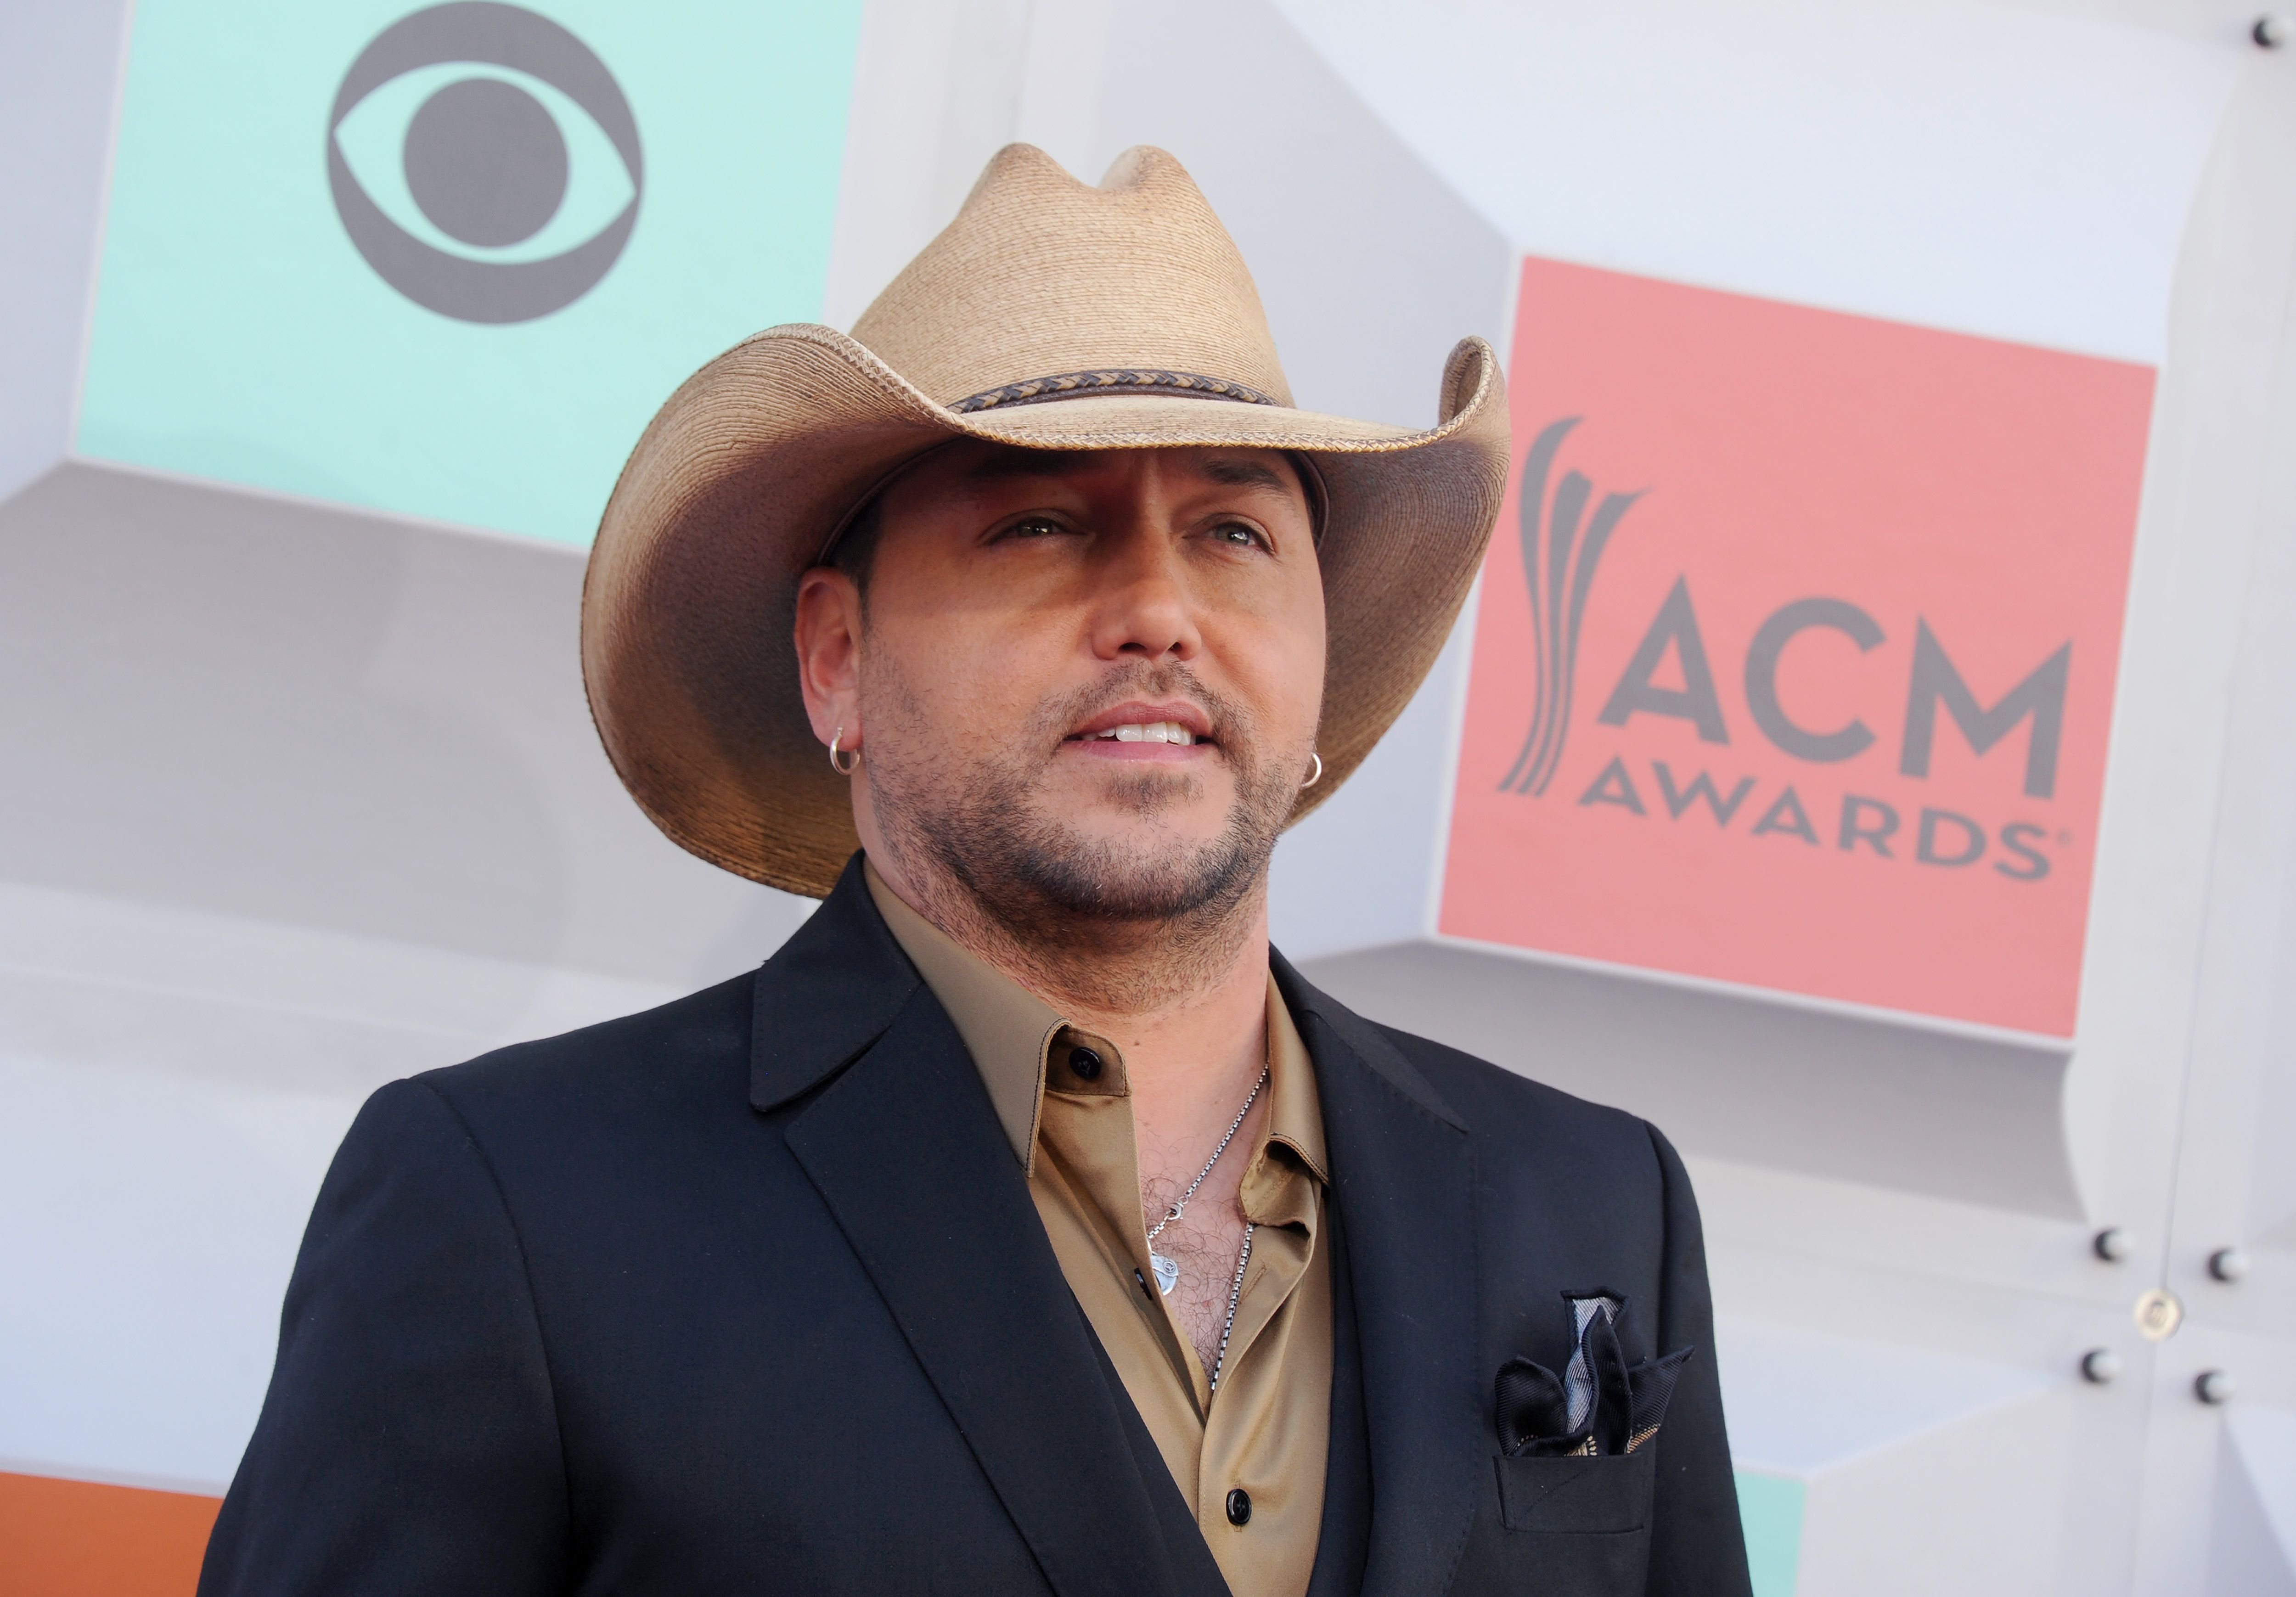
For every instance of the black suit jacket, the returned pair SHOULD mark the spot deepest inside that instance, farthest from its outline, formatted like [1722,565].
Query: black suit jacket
[746,1294]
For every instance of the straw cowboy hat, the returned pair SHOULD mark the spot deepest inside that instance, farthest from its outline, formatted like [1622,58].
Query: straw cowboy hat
[1049,315]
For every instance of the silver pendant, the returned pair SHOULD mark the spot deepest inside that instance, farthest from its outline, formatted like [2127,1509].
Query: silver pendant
[1167,1273]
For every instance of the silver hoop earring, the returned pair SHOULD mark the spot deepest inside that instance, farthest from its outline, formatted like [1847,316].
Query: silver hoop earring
[1317,774]
[852,760]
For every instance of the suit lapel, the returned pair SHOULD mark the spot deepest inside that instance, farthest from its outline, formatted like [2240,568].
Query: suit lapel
[906,1148]
[1403,1174]
[827,994]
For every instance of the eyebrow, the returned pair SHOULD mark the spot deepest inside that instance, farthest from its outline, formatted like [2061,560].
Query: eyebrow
[1244,474]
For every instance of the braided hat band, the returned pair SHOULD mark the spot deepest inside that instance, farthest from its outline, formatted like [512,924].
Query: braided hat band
[1076,385]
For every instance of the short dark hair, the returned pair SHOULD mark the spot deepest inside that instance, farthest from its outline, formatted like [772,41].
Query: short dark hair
[854,553]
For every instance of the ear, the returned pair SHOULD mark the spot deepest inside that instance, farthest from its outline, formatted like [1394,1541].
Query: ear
[828,637]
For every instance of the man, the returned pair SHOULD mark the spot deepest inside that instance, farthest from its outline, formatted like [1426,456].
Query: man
[1025,1224]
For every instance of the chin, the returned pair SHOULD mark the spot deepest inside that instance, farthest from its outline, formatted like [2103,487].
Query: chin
[1122,848]
[1120,865]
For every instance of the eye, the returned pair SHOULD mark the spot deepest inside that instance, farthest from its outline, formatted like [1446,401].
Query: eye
[1241,534]
[1032,527]
[489,174]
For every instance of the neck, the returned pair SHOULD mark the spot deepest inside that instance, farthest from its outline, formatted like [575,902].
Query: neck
[1184,999]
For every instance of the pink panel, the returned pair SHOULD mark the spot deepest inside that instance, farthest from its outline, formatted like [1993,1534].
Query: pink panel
[1786,571]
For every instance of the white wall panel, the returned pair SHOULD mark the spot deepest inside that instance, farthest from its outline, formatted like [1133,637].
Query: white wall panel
[1981,167]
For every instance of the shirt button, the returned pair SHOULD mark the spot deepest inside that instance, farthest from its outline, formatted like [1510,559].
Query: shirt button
[1086,1063]
[1239,1507]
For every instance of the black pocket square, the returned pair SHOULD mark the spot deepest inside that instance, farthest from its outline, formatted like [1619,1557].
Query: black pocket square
[1598,1406]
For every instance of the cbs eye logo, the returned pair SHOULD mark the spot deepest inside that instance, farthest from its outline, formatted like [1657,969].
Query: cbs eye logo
[484,162]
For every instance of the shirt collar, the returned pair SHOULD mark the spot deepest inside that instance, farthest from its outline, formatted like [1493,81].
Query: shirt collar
[1295,1109]
[1009,1031]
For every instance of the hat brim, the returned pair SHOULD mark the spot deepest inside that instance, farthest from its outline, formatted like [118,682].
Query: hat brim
[689,600]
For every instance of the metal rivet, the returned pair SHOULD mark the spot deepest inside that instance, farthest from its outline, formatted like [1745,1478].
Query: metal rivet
[2213,1387]
[2100,1366]
[2158,1313]
[2112,1244]
[2227,1264]
[2272,31]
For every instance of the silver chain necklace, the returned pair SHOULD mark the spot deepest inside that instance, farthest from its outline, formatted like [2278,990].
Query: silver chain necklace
[1234,1291]
[1167,1273]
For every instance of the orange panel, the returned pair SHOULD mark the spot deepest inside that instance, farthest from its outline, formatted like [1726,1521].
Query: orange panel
[68,1538]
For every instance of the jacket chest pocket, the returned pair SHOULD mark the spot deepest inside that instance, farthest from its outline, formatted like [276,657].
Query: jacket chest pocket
[1585,1522]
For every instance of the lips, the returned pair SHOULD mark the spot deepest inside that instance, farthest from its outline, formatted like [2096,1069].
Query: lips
[1173,723]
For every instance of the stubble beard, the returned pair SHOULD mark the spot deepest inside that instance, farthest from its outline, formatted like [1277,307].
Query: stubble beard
[1119,923]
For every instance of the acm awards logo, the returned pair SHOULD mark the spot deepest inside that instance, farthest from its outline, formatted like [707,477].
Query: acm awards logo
[484,162]
[1563,547]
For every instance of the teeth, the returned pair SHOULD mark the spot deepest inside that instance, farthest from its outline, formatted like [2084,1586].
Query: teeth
[1148,732]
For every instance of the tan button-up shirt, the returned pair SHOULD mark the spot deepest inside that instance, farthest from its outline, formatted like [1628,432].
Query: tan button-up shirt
[1268,1430]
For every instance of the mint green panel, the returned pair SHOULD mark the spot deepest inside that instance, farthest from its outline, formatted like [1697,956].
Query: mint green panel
[1770,1508]
[241,333]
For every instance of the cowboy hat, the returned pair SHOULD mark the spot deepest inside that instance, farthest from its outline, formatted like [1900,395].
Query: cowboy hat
[1049,315]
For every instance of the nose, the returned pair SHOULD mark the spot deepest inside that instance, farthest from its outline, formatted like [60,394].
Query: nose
[1143,609]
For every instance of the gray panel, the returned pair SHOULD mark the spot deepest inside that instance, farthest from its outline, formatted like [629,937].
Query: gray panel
[1744,1078]
[59,66]
[309,716]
